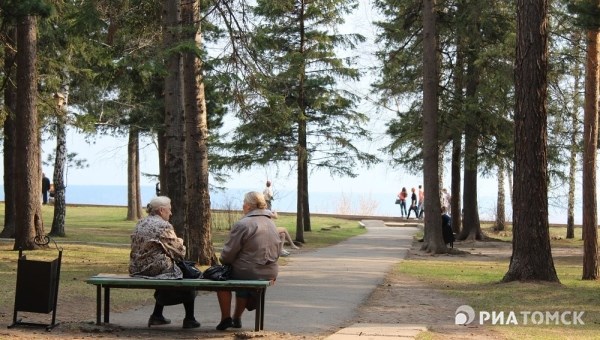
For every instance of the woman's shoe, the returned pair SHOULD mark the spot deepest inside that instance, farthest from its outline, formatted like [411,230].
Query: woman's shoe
[190,323]
[224,324]
[158,320]
[236,323]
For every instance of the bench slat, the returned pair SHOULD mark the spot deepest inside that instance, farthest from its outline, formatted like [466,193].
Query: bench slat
[124,280]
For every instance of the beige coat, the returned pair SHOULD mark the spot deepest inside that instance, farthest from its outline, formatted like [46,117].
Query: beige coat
[253,247]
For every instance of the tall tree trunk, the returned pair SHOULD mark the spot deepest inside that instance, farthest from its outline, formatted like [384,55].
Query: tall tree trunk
[198,214]
[531,258]
[458,128]
[433,241]
[302,178]
[305,200]
[303,218]
[455,203]
[10,136]
[162,152]
[471,229]
[173,184]
[58,177]
[509,177]
[471,223]
[440,176]
[590,144]
[500,213]
[134,199]
[28,178]
[574,148]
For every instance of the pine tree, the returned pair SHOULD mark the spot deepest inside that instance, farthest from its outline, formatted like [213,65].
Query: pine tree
[297,111]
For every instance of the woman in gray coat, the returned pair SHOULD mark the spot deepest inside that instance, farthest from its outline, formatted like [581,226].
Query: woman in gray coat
[252,250]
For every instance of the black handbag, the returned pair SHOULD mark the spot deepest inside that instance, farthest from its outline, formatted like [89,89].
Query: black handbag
[397,201]
[189,270]
[221,272]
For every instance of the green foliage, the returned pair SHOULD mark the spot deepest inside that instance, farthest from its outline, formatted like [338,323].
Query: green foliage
[11,9]
[295,84]
[586,12]
[476,50]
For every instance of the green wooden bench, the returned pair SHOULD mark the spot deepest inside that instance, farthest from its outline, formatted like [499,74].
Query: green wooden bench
[108,281]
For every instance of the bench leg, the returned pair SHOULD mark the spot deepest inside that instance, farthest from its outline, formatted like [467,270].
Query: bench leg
[106,304]
[262,308]
[259,316]
[98,304]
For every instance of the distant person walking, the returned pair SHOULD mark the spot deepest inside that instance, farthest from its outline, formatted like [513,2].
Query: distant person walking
[402,197]
[413,204]
[45,188]
[268,193]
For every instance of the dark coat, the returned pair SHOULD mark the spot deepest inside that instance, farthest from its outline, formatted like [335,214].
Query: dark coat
[45,184]
[447,229]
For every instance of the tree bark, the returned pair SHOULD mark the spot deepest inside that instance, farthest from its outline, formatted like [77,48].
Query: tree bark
[301,178]
[500,213]
[9,141]
[433,241]
[471,228]
[58,177]
[28,178]
[134,199]
[459,80]
[455,203]
[590,144]
[198,214]
[531,258]
[173,185]
[575,132]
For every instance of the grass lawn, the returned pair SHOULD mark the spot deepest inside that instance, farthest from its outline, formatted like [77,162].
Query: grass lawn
[98,241]
[476,280]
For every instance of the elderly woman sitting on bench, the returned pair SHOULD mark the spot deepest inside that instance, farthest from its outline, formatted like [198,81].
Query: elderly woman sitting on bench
[252,250]
[154,249]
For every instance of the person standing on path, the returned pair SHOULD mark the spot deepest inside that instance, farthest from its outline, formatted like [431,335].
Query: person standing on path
[402,197]
[421,206]
[268,194]
[413,204]
[45,188]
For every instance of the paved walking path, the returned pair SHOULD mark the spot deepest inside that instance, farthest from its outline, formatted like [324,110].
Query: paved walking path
[318,292]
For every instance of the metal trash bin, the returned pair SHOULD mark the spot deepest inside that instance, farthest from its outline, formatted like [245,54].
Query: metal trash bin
[37,289]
